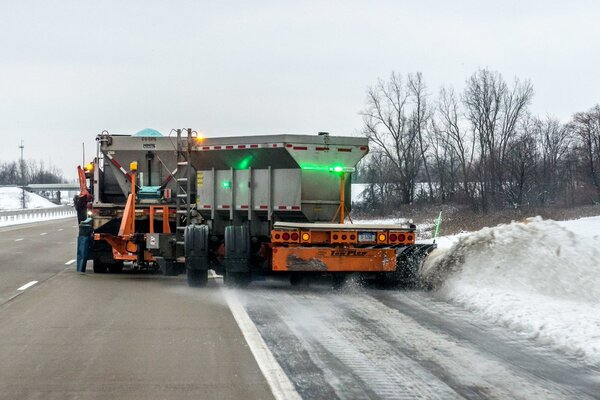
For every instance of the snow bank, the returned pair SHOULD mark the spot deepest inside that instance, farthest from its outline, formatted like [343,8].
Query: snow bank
[10,199]
[537,277]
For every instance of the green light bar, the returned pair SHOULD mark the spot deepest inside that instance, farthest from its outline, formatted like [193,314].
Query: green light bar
[336,168]
[225,184]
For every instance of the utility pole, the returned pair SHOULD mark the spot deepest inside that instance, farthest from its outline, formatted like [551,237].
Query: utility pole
[22,147]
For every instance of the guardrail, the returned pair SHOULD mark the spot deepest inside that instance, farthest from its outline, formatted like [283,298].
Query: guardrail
[35,214]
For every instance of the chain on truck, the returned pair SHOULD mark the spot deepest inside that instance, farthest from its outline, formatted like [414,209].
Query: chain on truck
[241,206]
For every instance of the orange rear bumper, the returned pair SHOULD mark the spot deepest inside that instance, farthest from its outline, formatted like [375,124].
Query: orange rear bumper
[328,259]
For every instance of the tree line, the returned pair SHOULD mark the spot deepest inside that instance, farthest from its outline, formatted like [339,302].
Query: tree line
[31,171]
[482,147]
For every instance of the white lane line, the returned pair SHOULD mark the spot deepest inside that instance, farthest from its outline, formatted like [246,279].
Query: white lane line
[18,240]
[60,230]
[280,384]
[70,262]
[27,285]
[43,233]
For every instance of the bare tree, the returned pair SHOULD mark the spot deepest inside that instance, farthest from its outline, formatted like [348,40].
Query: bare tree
[391,132]
[586,125]
[554,141]
[457,137]
[494,110]
[420,115]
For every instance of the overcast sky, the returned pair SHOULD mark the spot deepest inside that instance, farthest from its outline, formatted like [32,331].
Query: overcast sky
[70,69]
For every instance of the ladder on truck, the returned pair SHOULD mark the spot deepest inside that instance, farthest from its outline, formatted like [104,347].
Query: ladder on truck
[183,196]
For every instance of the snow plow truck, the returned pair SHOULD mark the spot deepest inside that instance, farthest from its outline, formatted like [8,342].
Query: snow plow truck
[241,206]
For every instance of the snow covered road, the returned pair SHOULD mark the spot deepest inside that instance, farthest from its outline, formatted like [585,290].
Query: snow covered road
[367,343]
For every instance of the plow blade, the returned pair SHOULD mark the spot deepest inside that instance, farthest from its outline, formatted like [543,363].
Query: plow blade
[408,263]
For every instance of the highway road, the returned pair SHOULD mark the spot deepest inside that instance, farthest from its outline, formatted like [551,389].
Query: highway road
[127,336]
[141,335]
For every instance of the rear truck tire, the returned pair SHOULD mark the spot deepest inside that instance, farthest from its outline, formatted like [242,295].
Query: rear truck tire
[237,256]
[99,266]
[197,277]
[196,254]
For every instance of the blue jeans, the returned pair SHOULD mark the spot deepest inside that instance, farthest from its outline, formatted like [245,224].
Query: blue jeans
[83,250]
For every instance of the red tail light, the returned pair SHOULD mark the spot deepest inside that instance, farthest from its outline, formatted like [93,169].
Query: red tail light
[401,237]
[286,236]
[393,237]
[294,236]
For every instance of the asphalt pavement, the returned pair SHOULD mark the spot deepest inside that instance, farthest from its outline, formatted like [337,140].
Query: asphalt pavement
[104,336]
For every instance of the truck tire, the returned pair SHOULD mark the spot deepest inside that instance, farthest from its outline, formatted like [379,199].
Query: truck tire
[99,267]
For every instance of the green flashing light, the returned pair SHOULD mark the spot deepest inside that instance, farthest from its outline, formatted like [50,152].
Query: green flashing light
[225,184]
[335,169]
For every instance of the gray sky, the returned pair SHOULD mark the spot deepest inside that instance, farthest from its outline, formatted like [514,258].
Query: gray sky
[69,69]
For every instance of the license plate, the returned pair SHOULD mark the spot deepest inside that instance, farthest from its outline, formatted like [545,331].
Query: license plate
[366,237]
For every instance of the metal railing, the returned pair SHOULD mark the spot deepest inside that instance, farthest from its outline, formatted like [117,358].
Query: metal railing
[35,214]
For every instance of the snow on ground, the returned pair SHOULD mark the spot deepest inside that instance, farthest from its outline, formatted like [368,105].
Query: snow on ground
[10,199]
[539,277]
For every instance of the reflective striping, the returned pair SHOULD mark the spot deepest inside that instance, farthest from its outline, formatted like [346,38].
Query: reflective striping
[168,178]
[287,207]
[116,164]
[291,146]
[241,146]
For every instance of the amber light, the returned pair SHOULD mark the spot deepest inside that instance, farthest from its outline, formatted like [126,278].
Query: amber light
[305,237]
[382,237]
